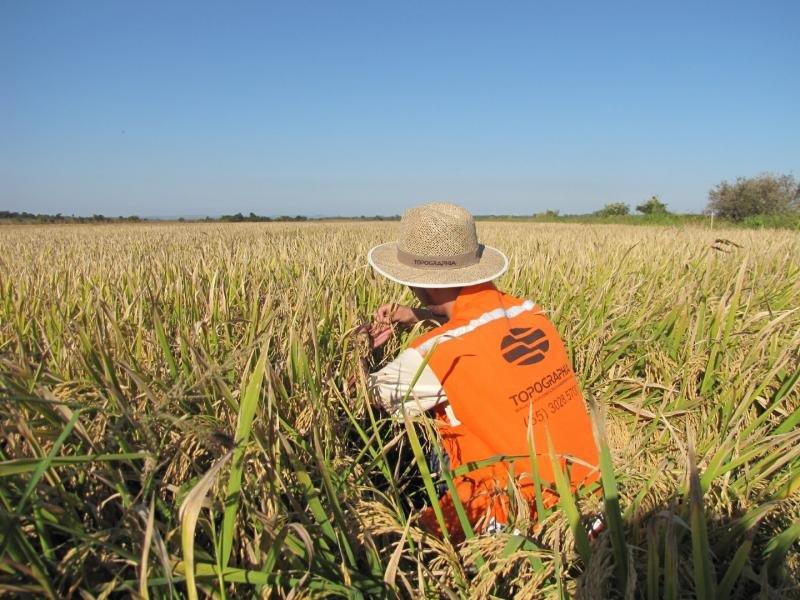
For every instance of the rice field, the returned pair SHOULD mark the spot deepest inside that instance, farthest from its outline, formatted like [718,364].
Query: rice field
[176,419]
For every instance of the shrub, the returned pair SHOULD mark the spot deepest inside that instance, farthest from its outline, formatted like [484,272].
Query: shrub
[766,194]
[615,209]
[654,206]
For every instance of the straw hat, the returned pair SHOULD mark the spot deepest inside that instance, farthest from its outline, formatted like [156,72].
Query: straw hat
[438,248]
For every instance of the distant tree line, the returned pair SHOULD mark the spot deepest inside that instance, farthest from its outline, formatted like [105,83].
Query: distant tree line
[254,218]
[361,218]
[59,218]
[767,200]
[235,218]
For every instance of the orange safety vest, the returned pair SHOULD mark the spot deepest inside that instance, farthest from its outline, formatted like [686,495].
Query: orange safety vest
[502,363]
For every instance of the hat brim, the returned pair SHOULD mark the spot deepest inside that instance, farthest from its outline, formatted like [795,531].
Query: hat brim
[491,265]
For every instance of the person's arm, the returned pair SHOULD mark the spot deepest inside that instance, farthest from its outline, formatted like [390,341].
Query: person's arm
[391,386]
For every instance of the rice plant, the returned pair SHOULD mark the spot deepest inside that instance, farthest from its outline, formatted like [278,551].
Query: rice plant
[177,420]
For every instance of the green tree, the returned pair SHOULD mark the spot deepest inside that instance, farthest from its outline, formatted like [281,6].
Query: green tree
[615,209]
[766,194]
[654,206]
[548,214]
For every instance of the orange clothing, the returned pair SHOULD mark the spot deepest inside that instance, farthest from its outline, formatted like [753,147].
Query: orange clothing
[502,363]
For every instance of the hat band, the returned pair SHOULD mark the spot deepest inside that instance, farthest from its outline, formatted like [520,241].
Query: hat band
[439,263]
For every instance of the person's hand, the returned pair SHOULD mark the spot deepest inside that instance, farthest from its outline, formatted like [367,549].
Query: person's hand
[386,318]
[395,314]
[380,337]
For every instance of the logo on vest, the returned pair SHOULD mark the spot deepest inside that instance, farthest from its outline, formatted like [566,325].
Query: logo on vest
[525,346]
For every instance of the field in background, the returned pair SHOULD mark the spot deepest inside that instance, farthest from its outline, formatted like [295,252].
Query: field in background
[173,404]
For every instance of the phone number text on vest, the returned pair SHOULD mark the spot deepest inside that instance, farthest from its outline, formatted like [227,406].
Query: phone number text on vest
[544,387]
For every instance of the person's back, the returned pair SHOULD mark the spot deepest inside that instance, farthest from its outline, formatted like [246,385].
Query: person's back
[502,365]
[495,375]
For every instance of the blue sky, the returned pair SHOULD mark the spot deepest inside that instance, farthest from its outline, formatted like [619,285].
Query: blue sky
[171,108]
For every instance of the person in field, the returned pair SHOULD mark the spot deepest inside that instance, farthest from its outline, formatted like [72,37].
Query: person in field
[496,368]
